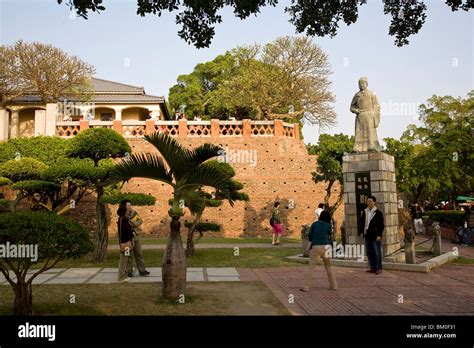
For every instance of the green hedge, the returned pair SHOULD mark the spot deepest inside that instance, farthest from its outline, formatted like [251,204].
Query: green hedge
[25,168]
[4,203]
[32,186]
[134,198]
[56,236]
[49,150]
[448,217]
[204,226]
[4,181]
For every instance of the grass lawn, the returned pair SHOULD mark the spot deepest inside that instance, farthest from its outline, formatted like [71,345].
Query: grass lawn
[255,258]
[464,260]
[246,298]
[215,240]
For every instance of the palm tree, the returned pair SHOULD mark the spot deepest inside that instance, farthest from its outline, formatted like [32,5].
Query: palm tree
[187,172]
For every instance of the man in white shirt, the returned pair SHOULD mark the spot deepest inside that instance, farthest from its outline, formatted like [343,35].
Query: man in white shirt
[318,210]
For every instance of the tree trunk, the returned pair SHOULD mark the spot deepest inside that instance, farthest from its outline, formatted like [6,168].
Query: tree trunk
[174,264]
[190,243]
[23,304]
[101,235]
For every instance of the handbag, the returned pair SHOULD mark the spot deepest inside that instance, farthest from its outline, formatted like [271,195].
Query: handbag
[124,246]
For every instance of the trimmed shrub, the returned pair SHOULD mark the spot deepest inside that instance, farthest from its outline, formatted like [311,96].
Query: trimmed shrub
[81,173]
[32,186]
[25,168]
[4,203]
[49,150]
[134,198]
[4,181]
[204,226]
[447,217]
[55,237]
[98,144]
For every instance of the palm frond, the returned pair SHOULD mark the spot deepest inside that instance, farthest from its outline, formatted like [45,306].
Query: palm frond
[205,152]
[207,176]
[177,157]
[194,199]
[143,165]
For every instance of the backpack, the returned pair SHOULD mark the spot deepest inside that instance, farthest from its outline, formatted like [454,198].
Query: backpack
[272,221]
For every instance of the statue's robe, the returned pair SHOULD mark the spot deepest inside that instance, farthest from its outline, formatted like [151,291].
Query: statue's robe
[367,108]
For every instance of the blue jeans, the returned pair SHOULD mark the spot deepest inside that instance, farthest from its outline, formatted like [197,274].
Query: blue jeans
[467,234]
[374,254]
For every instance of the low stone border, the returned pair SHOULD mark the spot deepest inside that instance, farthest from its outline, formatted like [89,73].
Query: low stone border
[423,267]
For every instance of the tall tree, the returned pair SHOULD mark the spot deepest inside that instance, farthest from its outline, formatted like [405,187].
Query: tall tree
[99,144]
[313,17]
[414,168]
[44,70]
[447,131]
[330,149]
[213,200]
[196,91]
[55,238]
[186,171]
[286,79]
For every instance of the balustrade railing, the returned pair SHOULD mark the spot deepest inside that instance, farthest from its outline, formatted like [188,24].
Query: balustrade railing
[67,129]
[184,128]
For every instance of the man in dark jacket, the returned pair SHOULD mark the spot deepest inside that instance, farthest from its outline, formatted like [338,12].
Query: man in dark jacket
[372,230]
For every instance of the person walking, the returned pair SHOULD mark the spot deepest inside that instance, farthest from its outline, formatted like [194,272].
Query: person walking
[318,210]
[372,229]
[319,236]
[135,221]
[125,233]
[468,226]
[275,222]
[416,214]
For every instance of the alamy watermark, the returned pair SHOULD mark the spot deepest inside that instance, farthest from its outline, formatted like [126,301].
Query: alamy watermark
[348,251]
[19,251]
[238,156]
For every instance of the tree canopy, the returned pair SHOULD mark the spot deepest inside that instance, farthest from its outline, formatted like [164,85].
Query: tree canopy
[286,79]
[55,238]
[98,144]
[437,158]
[312,17]
[330,149]
[44,70]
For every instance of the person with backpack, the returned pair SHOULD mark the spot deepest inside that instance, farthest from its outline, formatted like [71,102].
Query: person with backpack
[275,222]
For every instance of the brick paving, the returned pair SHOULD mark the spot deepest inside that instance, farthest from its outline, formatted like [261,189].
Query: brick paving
[446,291]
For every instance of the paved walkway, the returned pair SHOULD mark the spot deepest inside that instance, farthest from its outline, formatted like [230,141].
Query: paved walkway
[97,275]
[448,290]
[218,246]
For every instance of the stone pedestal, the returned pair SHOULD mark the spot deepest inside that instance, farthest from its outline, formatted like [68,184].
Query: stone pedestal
[371,173]
[437,249]
[410,256]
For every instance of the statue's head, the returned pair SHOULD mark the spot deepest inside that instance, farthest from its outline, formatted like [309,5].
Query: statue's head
[363,83]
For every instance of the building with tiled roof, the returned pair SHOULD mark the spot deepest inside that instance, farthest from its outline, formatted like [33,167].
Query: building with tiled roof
[29,115]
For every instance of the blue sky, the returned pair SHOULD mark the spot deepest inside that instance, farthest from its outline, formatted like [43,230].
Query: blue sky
[146,51]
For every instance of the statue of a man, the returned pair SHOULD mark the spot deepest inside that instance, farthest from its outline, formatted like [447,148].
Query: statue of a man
[366,106]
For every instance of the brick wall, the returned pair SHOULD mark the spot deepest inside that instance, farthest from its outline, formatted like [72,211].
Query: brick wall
[282,171]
